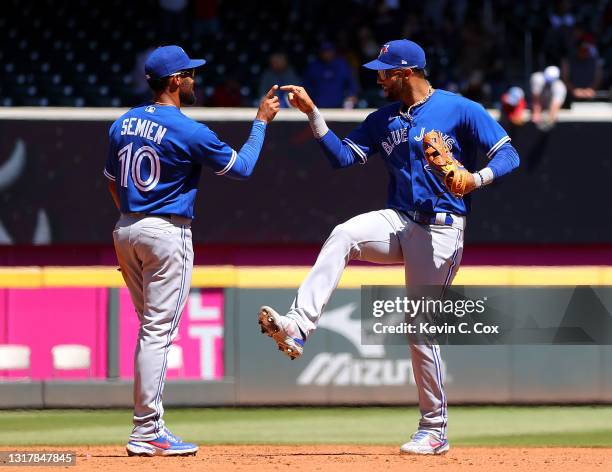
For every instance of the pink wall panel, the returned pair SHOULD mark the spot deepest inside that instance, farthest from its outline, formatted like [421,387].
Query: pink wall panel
[3,319]
[43,318]
[200,336]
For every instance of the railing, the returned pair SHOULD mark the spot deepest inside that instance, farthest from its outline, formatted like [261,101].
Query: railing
[582,111]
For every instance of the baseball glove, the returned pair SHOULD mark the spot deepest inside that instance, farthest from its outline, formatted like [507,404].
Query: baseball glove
[444,165]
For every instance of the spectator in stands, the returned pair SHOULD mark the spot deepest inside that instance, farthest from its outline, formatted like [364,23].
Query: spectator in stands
[582,71]
[329,80]
[462,36]
[205,18]
[562,15]
[558,39]
[547,93]
[513,106]
[278,72]
[227,94]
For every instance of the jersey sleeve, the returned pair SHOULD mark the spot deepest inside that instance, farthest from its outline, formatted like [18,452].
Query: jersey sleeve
[207,149]
[110,169]
[359,141]
[488,133]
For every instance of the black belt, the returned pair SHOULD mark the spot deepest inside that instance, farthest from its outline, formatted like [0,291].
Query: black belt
[425,218]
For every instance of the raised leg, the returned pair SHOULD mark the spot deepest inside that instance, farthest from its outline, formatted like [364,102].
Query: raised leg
[368,237]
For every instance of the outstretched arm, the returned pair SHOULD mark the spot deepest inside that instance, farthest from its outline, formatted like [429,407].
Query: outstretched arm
[209,150]
[340,153]
[247,157]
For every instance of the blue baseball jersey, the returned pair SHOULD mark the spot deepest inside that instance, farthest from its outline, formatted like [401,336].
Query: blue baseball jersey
[467,129]
[155,158]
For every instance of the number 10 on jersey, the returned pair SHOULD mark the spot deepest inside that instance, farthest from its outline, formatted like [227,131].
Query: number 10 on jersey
[132,165]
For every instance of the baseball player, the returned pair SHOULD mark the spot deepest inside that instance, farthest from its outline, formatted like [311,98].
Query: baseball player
[425,218]
[154,162]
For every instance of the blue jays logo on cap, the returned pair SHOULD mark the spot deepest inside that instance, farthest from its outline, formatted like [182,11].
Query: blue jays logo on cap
[399,53]
[167,60]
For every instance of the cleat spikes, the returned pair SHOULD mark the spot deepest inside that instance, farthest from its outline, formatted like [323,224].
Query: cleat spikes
[276,327]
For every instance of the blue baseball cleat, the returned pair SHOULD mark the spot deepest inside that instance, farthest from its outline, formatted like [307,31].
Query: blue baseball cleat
[425,443]
[165,444]
[283,330]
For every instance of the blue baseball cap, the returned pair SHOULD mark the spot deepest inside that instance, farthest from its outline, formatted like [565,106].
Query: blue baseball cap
[167,60]
[397,54]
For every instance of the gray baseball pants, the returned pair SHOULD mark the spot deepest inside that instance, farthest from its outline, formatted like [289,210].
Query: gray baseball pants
[156,259]
[431,255]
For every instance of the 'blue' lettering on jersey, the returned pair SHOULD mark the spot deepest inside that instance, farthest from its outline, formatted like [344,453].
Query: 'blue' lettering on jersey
[467,129]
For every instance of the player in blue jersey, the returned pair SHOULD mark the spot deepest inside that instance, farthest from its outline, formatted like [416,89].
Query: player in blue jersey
[155,157]
[423,224]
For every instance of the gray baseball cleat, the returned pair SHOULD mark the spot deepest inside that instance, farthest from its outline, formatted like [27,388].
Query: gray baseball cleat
[283,330]
[424,443]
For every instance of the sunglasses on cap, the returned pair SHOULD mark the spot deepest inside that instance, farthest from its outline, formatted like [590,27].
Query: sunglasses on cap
[384,74]
[184,73]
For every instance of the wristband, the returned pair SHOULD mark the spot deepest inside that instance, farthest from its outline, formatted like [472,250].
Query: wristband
[483,177]
[317,123]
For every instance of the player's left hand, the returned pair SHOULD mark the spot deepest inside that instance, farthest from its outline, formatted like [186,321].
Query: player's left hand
[456,178]
[460,182]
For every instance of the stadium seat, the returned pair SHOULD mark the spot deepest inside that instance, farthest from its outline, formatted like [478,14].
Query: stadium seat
[175,358]
[71,357]
[14,357]
[104,38]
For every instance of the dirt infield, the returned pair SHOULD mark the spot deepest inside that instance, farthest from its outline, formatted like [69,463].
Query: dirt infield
[343,459]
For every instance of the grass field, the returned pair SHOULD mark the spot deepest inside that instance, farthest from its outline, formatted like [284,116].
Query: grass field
[468,426]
